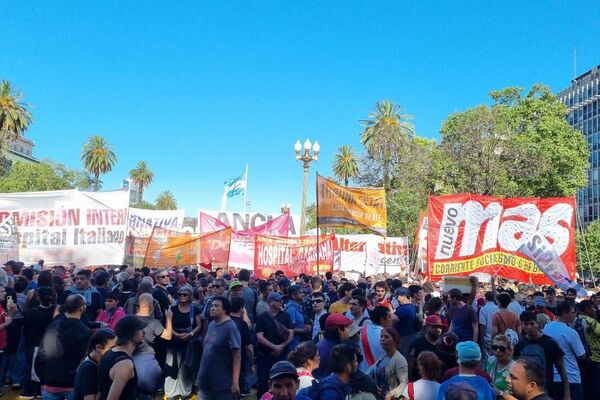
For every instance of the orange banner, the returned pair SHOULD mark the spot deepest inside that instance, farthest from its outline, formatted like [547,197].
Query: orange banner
[169,248]
[351,207]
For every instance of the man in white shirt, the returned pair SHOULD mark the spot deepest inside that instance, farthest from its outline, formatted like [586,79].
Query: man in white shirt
[569,342]
[486,316]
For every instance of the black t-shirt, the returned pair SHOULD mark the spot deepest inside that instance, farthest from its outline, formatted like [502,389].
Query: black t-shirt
[245,334]
[162,296]
[182,323]
[266,325]
[544,349]
[37,320]
[86,379]
[419,345]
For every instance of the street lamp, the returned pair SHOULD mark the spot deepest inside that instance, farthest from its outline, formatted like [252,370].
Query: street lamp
[306,158]
[285,207]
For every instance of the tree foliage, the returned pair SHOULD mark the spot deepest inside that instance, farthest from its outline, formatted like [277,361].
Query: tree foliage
[166,201]
[15,116]
[145,205]
[588,247]
[33,177]
[98,158]
[77,179]
[345,165]
[142,175]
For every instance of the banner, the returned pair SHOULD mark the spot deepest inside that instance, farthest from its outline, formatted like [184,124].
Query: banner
[421,243]
[169,248]
[371,254]
[241,254]
[141,222]
[9,241]
[350,207]
[293,255]
[473,233]
[60,227]
[240,221]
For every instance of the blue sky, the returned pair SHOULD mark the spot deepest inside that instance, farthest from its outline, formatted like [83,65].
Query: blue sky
[198,89]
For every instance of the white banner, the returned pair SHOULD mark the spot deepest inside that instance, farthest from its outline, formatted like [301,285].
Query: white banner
[60,227]
[242,221]
[371,254]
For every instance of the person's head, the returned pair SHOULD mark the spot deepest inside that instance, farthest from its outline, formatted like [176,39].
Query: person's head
[111,301]
[390,340]
[283,381]
[275,301]
[316,284]
[185,294]
[433,327]
[345,290]
[74,306]
[265,288]
[337,327]
[328,275]
[381,288]
[237,305]
[460,390]
[218,287]
[429,365]
[434,305]
[332,286]
[489,297]
[145,304]
[588,307]
[571,294]
[468,354]
[305,355]
[358,305]
[220,308]
[102,279]
[82,279]
[101,341]
[455,296]
[502,347]
[550,294]
[296,293]
[416,293]
[402,294]
[27,273]
[235,289]
[318,302]
[162,277]
[219,272]
[380,315]
[46,296]
[20,284]
[447,343]
[130,330]
[526,378]
[244,275]
[503,300]
[343,361]
[566,311]
[529,324]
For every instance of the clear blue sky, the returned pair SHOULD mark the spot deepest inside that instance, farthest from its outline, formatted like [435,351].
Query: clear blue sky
[200,88]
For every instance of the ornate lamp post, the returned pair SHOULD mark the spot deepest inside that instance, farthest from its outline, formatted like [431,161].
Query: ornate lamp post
[306,157]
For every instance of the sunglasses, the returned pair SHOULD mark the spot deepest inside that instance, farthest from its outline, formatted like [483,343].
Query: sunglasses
[216,286]
[183,294]
[317,301]
[163,276]
[499,348]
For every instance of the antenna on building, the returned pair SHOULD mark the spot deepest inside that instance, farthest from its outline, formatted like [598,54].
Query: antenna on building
[574,63]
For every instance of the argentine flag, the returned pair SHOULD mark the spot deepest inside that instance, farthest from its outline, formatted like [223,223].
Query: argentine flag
[234,187]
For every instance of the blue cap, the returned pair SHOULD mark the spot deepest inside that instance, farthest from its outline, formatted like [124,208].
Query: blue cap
[275,296]
[539,301]
[402,291]
[468,351]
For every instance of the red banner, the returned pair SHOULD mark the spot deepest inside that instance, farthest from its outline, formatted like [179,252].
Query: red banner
[472,233]
[293,255]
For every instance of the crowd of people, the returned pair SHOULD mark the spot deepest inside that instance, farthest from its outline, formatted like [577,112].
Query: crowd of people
[124,333]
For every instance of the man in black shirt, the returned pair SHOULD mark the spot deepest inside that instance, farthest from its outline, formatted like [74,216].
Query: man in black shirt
[274,332]
[160,292]
[433,330]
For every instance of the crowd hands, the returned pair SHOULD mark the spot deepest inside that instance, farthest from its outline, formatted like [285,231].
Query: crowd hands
[182,333]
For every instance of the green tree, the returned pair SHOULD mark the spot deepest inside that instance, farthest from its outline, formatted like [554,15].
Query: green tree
[386,134]
[32,177]
[588,247]
[166,201]
[77,179]
[98,157]
[345,165]
[145,205]
[142,176]
[15,116]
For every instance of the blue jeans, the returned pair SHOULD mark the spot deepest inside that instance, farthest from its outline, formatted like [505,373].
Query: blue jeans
[66,395]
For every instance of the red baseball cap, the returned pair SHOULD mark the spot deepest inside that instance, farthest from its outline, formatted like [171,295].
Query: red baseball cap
[434,320]
[336,320]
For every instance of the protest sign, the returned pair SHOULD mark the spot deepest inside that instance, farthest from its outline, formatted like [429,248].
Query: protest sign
[421,243]
[240,221]
[169,248]
[371,254]
[473,233]
[86,228]
[293,255]
[241,254]
[350,207]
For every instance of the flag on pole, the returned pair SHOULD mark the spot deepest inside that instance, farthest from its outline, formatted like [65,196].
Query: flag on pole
[234,187]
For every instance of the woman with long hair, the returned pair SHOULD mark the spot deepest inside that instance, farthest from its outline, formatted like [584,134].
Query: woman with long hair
[390,371]
[306,359]
[430,370]
[45,280]
[86,377]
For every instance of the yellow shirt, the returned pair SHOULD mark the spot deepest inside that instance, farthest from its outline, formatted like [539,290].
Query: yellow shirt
[339,307]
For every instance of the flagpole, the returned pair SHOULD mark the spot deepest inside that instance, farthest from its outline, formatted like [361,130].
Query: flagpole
[318,229]
[246,189]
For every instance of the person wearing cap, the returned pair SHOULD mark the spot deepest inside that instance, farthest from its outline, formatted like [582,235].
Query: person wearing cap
[235,289]
[539,307]
[337,330]
[117,377]
[284,382]
[469,357]
[274,331]
[405,318]
[219,373]
[300,324]
[427,342]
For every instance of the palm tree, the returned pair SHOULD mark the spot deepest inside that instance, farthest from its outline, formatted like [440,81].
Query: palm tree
[166,201]
[386,133]
[98,157]
[14,115]
[345,166]
[142,176]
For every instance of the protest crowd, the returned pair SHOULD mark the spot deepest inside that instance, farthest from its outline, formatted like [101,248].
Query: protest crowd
[179,333]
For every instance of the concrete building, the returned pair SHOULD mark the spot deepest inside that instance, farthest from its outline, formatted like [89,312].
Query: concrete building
[20,150]
[582,99]
[135,196]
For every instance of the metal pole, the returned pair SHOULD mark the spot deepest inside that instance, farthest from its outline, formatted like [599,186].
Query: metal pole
[304,190]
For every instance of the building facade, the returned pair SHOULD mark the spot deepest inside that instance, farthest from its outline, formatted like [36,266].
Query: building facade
[582,99]
[20,150]
[135,196]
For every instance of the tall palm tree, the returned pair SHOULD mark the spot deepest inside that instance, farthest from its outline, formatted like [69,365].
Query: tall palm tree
[385,134]
[166,201]
[14,115]
[345,166]
[142,176]
[98,157]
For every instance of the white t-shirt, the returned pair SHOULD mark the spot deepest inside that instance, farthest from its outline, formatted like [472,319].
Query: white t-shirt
[423,390]
[569,342]
[486,315]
